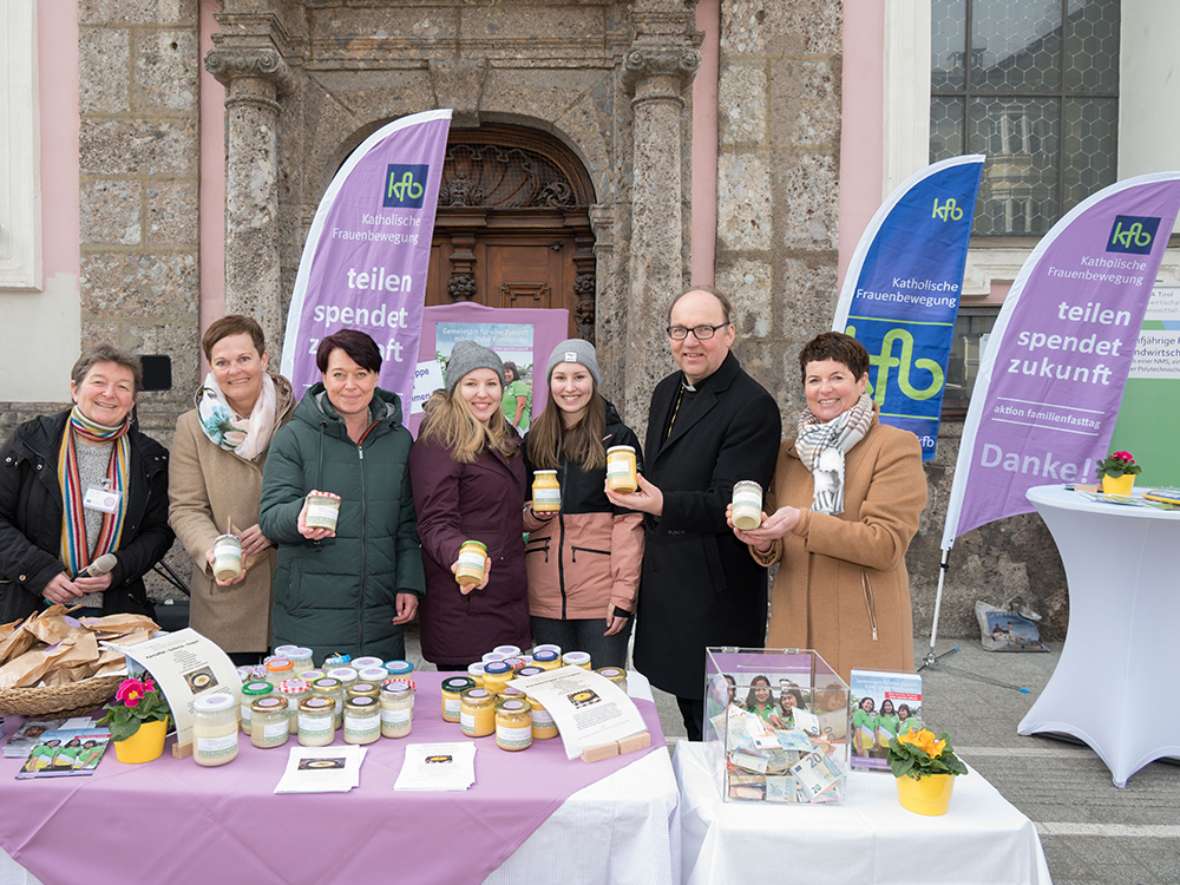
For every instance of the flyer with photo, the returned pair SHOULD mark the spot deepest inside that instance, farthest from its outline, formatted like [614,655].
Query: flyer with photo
[884,705]
[71,752]
[589,709]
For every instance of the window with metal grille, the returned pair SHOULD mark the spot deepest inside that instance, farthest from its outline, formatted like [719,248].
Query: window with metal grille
[1034,85]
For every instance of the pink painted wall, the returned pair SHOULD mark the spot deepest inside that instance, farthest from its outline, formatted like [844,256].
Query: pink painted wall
[862,134]
[57,72]
[212,173]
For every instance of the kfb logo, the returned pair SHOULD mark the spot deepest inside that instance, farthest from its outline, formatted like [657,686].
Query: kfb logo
[1132,233]
[405,185]
[947,211]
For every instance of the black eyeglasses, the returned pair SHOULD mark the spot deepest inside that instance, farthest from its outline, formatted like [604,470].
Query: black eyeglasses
[701,333]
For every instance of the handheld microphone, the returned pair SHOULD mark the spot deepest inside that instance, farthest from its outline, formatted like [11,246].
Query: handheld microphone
[101,566]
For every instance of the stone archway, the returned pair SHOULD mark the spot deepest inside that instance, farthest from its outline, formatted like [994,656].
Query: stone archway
[513,225]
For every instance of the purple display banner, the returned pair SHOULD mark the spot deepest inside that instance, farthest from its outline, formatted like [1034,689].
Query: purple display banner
[1049,385]
[367,254]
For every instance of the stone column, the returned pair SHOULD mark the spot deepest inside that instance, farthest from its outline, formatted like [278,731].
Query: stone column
[254,79]
[657,75]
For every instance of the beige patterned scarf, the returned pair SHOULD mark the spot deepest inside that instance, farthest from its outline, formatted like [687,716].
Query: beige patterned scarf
[821,447]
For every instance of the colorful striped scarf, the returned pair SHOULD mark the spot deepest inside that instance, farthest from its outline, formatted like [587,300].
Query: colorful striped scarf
[76,553]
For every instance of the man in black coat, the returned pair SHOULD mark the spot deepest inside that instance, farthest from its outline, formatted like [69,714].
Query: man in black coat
[710,425]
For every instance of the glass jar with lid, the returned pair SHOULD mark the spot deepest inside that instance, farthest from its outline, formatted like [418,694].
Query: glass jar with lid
[546,492]
[317,721]
[346,675]
[576,659]
[452,690]
[547,659]
[252,691]
[295,691]
[334,690]
[497,675]
[278,669]
[544,728]
[617,675]
[399,668]
[397,709]
[514,725]
[621,469]
[477,712]
[376,675]
[271,725]
[475,671]
[215,729]
[363,690]
[362,720]
[473,565]
[508,693]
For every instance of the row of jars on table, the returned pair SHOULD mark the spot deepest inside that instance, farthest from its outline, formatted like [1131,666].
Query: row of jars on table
[370,699]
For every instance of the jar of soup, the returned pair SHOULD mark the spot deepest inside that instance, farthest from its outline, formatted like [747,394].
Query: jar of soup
[317,721]
[227,557]
[747,505]
[271,724]
[497,675]
[322,511]
[475,671]
[278,669]
[215,729]
[452,690]
[399,668]
[251,692]
[360,663]
[576,659]
[546,492]
[477,712]
[620,469]
[346,675]
[514,725]
[544,727]
[376,675]
[295,691]
[547,659]
[333,690]
[362,720]
[617,675]
[397,710]
[363,689]
[473,565]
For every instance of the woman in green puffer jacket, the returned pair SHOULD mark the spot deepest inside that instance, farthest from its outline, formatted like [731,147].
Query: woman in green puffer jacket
[352,589]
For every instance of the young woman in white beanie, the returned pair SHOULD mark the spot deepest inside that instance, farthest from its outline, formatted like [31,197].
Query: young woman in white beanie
[583,563]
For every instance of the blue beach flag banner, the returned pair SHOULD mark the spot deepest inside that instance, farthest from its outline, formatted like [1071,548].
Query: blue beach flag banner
[901,292]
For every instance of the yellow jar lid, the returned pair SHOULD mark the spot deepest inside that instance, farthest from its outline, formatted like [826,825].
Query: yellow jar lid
[270,704]
[316,705]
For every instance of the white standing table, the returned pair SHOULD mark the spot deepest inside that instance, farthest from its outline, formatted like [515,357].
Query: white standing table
[1123,644]
[869,839]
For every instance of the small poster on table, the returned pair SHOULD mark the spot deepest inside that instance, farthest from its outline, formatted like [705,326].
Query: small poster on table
[884,705]
[184,665]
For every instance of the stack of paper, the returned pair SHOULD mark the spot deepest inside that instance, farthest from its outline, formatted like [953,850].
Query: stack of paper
[322,770]
[437,767]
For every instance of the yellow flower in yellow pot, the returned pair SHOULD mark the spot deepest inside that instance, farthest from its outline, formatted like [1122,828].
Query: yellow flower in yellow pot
[925,766]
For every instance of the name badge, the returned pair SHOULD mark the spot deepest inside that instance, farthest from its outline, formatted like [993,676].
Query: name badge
[102,500]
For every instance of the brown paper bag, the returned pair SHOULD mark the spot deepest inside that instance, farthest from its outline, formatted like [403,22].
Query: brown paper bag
[17,642]
[119,625]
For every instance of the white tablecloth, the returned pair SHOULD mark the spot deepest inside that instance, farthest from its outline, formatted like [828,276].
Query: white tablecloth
[1121,652]
[868,839]
[623,829]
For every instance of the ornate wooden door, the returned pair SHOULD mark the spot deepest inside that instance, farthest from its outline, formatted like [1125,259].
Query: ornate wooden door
[513,226]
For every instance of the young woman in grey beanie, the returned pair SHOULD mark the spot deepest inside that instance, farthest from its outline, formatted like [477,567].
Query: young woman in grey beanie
[583,563]
[468,481]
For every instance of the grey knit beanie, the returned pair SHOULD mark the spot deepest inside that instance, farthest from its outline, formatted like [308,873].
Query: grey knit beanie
[467,356]
[575,350]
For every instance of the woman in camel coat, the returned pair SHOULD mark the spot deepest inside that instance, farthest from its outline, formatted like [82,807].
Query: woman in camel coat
[842,586]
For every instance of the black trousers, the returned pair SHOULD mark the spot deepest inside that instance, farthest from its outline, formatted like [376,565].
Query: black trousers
[584,634]
[693,712]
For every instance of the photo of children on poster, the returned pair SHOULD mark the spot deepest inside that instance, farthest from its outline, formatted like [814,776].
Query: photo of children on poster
[884,705]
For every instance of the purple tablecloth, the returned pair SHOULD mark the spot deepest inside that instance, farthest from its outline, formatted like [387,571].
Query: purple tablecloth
[173,821]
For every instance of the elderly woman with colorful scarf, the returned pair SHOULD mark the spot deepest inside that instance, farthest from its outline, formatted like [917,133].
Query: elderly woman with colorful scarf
[215,483]
[848,492]
[76,486]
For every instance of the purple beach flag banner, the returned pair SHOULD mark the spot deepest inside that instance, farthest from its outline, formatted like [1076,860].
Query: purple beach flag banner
[901,292]
[367,254]
[1049,386]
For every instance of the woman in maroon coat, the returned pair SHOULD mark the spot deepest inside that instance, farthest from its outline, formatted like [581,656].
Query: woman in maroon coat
[469,484]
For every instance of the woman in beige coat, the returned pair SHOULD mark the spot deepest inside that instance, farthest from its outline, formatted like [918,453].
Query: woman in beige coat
[848,491]
[215,480]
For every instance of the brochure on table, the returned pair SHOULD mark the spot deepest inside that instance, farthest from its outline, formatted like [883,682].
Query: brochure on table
[184,664]
[437,767]
[884,705]
[589,709]
[322,769]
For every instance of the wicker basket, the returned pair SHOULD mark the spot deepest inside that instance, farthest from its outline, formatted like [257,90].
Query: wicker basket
[62,700]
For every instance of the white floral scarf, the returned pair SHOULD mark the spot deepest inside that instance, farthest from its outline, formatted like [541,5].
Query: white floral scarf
[821,447]
[245,437]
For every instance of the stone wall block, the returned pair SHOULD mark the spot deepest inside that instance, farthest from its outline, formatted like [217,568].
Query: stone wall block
[138,12]
[166,68]
[140,285]
[809,27]
[747,283]
[139,147]
[805,104]
[103,58]
[810,196]
[743,202]
[508,22]
[110,212]
[172,213]
[743,27]
[741,105]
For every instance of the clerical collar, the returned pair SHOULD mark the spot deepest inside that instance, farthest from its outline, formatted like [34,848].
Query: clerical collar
[688,388]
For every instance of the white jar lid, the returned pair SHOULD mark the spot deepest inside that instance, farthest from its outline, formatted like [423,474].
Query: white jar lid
[214,702]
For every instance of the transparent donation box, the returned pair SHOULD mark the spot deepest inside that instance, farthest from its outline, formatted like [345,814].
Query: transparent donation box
[776,725]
